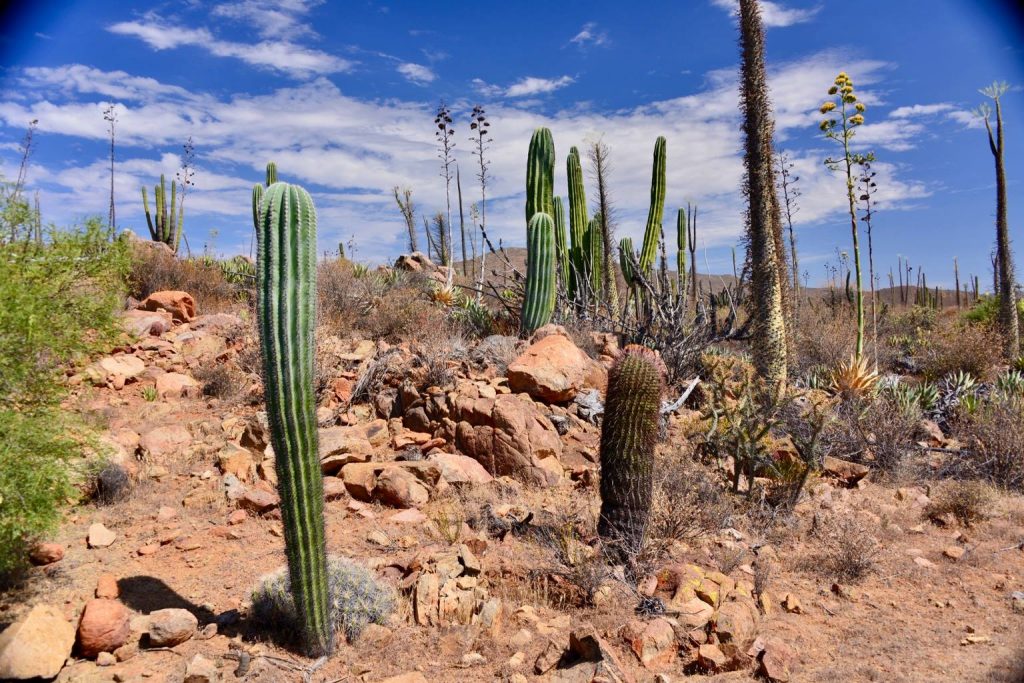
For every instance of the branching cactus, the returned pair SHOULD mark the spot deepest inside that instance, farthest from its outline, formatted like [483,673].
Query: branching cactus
[539,297]
[653,230]
[286,310]
[165,226]
[629,434]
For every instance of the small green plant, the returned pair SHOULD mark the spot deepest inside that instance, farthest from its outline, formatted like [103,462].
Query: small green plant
[1010,385]
[149,393]
[356,600]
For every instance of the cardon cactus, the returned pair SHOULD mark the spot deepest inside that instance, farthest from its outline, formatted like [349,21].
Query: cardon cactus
[539,297]
[653,231]
[578,221]
[561,246]
[629,434]
[271,173]
[257,193]
[626,257]
[165,227]
[286,316]
[681,233]
[540,174]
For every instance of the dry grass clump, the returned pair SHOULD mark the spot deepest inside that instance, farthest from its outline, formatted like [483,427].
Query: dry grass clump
[957,347]
[823,337]
[155,270]
[969,502]
[849,551]
[219,381]
[877,432]
[993,437]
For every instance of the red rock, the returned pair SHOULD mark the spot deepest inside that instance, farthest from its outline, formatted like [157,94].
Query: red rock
[104,627]
[460,469]
[36,645]
[106,587]
[334,489]
[46,553]
[552,369]
[165,440]
[654,643]
[397,487]
[176,385]
[146,323]
[148,549]
[258,500]
[180,305]
[777,661]
[236,517]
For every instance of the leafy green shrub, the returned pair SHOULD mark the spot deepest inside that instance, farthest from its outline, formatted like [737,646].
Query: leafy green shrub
[61,296]
[986,311]
[357,599]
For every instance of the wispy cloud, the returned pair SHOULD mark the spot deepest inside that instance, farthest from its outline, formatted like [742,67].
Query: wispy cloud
[774,14]
[920,110]
[417,73]
[590,35]
[531,85]
[284,56]
[271,17]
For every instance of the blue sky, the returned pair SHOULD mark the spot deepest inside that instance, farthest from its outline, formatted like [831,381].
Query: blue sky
[341,95]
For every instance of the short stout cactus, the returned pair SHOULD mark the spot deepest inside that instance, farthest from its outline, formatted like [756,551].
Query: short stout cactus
[629,434]
[286,315]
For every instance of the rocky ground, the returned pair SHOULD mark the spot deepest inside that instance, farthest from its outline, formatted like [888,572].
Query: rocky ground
[461,484]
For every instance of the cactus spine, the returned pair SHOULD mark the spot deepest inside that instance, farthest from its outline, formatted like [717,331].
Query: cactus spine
[653,230]
[629,434]
[539,297]
[165,226]
[286,310]
[561,247]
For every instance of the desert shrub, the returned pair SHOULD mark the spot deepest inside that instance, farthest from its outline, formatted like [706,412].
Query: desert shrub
[496,350]
[968,501]
[154,270]
[986,311]
[879,432]
[849,552]
[823,337]
[952,348]
[437,351]
[402,314]
[993,438]
[110,484]
[357,599]
[688,504]
[579,570]
[218,381]
[60,299]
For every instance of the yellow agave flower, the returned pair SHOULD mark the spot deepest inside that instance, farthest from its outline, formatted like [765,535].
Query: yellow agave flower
[827,107]
[856,119]
[860,107]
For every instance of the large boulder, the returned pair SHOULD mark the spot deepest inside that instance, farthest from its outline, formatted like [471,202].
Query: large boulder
[171,626]
[146,323]
[554,369]
[104,627]
[509,435]
[180,305]
[164,440]
[37,645]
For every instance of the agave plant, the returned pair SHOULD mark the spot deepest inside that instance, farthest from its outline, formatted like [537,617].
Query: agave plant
[444,295]
[853,379]
[958,383]
[1010,385]
[818,377]
[927,396]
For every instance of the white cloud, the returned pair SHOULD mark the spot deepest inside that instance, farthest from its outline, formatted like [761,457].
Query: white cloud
[269,54]
[773,14]
[968,119]
[531,85]
[590,35]
[271,17]
[417,73]
[920,110]
[350,152]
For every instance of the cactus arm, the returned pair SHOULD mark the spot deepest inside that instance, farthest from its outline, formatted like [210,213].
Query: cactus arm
[653,229]
[595,248]
[257,199]
[577,217]
[540,174]
[149,217]
[629,434]
[286,310]
[561,247]
[271,173]
[161,211]
[539,296]
[681,231]
[180,227]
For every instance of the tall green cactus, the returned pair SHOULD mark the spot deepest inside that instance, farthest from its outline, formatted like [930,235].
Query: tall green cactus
[653,230]
[629,435]
[539,297]
[681,233]
[626,257]
[540,174]
[561,245]
[271,173]
[257,194]
[165,226]
[595,252]
[286,310]
[578,221]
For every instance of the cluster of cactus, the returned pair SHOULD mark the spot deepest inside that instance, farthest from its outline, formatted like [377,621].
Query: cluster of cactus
[629,434]
[168,222]
[356,599]
[540,291]
[286,318]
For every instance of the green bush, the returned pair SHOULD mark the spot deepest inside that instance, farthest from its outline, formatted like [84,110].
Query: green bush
[986,311]
[60,298]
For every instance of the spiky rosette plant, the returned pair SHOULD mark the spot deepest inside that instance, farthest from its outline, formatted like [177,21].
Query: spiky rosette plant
[167,223]
[286,314]
[629,434]
[539,295]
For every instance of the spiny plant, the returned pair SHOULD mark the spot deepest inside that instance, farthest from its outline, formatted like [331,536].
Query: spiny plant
[843,100]
[853,379]
[286,314]
[682,228]
[629,434]
[652,232]
[166,226]
[540,291]
[257,194]
[561,244]
[578,222]
[769,330]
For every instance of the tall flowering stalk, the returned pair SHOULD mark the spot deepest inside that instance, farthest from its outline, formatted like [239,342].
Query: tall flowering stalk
[843,103]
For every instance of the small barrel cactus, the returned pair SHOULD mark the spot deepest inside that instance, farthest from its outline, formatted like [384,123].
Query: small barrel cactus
[629,434]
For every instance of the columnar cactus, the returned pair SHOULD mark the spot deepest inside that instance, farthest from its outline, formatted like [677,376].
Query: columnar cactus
[653,231]
[540,174]
[271,173]
[681,233]
[257,194]
[166,227]
[539,297]
[595,250]
[626,257]
[286,311]
[561,246]
[629,434]
[578,221]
